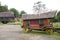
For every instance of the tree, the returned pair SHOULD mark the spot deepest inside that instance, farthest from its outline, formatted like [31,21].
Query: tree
[3,8]
[22,12]
[58,16]
[16,13]
[39,7]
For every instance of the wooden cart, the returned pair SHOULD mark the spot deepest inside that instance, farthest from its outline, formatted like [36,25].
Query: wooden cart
[38,21]
[6,17]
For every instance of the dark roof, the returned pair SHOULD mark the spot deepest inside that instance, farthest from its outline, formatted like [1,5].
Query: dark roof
[6,14]
[50,14]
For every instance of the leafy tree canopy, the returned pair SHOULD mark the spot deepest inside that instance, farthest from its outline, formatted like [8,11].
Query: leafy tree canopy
[16,13]
[3,8]
[58,16]
[38,7]
[22,12]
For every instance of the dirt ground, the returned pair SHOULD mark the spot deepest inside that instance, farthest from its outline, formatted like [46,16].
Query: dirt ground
[14,32]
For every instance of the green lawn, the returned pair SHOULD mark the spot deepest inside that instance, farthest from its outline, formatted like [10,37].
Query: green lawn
[56,25]
[42,33]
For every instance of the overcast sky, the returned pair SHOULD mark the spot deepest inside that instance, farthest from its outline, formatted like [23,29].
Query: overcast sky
[27,5]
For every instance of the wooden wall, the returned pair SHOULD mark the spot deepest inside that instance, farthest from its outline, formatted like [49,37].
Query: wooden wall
[34,24]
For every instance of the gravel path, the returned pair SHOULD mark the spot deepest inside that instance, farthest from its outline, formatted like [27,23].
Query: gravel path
[14,32]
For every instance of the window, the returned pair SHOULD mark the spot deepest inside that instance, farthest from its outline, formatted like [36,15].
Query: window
[27,22]
[41,22]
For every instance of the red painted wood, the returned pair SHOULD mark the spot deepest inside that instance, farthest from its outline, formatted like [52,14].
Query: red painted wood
[34,24]
[46,22]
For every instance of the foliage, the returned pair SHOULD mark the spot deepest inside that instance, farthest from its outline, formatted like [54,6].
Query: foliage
[56,25]
[58,16]
[54,20]
[16,13]
[22,12]
[3,8]
[39,7]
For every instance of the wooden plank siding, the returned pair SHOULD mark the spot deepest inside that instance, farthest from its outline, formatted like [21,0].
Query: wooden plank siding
[34,24]
[46,22]
[6,18]
[50,14]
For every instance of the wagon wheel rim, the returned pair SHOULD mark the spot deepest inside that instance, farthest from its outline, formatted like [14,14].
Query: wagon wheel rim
[49,31]
[25,29]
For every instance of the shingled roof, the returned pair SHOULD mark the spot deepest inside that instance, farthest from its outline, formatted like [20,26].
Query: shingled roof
[6,14]
[50,14]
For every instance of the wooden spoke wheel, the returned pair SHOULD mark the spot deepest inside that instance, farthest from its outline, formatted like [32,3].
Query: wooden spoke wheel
[26,29]
[49,31]
[4,22]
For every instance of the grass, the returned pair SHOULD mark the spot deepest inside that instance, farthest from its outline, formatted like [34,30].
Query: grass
[2,24]
[56,25]
[56,35]
[42,33]
[36,32]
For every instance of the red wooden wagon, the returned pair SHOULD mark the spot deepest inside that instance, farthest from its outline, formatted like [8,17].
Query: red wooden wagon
[38,21]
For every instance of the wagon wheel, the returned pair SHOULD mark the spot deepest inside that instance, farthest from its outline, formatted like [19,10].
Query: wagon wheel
[4,22]
[26,29]
[49,31]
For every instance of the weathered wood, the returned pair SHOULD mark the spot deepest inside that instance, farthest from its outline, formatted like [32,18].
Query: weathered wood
[50,14]
[6,16]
